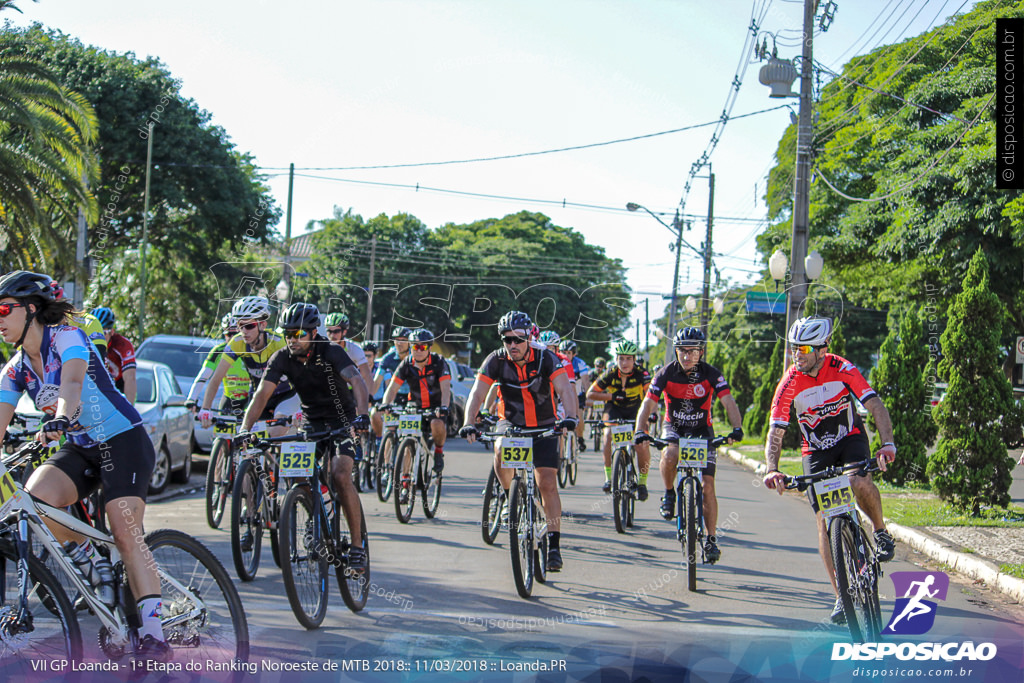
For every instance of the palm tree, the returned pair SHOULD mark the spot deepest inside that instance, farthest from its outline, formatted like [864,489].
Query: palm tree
[46,163]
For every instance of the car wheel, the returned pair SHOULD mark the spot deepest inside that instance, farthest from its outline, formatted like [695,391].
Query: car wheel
[161,470]
[181,476]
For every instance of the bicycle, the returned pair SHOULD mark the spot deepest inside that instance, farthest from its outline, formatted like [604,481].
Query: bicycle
[495,500]
[567,465]
[202,612]
[693,458]
[624,473]
[220,472]
[527,522]
[854,559]
[307,550]
[414,463]
[387,451]
[255,505]
[594,411]
[365,469]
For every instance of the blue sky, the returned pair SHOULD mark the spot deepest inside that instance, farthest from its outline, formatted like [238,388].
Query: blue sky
[334,84]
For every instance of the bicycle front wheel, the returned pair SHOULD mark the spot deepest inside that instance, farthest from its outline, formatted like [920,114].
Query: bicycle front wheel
[304,557]
[368,462]
[520,539]
[490,523]
[218,482]
[857,589]
[405,491]
[246,524]
[430,485]
[689,521]
[540,532]
[386,453]
[620,490]
[52,632]
[354,588]
[563,464]
[202,612]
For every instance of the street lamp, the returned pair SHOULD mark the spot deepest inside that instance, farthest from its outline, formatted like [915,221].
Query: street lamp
[778,264]
[691,304]
[282,290]
[719,305]
[813,265]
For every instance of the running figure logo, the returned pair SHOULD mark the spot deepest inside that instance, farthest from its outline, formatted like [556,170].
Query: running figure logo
[914,613]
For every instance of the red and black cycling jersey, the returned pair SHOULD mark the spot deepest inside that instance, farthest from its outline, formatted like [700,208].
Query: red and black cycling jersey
[120,357]
[527,394]
[424,383]
[823,406]
[627,390]
[688,396]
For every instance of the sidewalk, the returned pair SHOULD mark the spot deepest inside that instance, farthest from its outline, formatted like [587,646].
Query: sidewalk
[992,546]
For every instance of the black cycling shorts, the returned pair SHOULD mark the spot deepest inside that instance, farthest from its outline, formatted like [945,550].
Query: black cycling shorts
[123,464]
[614,412]
[344,444]
[545,451]
[853,448]
[668,433]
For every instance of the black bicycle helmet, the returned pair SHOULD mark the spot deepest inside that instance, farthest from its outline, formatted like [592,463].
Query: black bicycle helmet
[421,336]
[370,347]
[400,332]
[22,283]
[514,320]
[301,316]
[690,336]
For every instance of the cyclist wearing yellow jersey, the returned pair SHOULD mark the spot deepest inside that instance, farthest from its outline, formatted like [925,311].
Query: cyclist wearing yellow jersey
[236,381]
[254,346]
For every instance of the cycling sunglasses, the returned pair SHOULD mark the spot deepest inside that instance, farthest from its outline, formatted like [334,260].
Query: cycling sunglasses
[805,348]
[513,340]
[420,347]
[248,326]
[296,334]
[5,309]
[336,330]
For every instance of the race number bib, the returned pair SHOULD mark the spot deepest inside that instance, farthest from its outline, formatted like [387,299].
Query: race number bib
[47,451]
[223,431]
[622,434]
[693,453]
[516,453]
[391,420]
[409,425]
[297,459]
[8,492]
[598,406]
[259,430]
[834,496]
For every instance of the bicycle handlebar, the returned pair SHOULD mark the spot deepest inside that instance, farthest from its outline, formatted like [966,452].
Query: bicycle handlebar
[538,432]
[801,482]
[661,444]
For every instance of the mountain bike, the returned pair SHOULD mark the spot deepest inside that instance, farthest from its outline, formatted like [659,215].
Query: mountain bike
[414,465]
[624,473]
[594,412]
[202,617]
[693,458]
[494,503]
[387,451]
[853,549]
[314,532]
[365,468]
[220,472]
[567,460]
[527,523]
[255,505]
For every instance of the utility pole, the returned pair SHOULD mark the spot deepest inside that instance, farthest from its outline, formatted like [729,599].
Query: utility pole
[287,276]
[705,297]
[369,301]
[802,181]
[677,226]
[647,325]
[145,229]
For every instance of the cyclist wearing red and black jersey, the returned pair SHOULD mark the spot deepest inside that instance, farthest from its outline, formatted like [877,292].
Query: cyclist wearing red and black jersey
[622,389]
[530,379]
[426,374]
[254,346]
[385,370]
[321,373]
[819,387]
[688,386]
[120,356]
[582,372]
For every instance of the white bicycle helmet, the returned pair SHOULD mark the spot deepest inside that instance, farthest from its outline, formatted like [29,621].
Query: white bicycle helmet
[811,331]
[251,308]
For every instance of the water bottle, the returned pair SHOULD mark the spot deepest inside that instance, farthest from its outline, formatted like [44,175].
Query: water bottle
[99,572]
[328,501]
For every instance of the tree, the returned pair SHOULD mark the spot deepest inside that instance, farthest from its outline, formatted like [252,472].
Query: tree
[901,386]
[977,419]
[755,422]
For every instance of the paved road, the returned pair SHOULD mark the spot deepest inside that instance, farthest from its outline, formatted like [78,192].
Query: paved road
[440,596]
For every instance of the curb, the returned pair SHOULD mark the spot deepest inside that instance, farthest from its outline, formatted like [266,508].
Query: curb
[961,563]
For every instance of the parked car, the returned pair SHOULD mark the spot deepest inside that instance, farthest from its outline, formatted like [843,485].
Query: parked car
[461,385]
[185,356]
[161,405]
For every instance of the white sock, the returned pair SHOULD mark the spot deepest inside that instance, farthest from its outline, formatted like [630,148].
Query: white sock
[151,610]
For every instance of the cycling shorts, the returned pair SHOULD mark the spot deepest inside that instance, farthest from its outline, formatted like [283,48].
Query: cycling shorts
[669,434]
[853,448]
[284,405]
[582,403]
[339,445]
[545,451]
[123,464]
[614,412]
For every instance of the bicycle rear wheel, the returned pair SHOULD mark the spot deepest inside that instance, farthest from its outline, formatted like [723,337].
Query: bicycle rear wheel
[563,464]
[573,466]
[430,485]
[54,633]
[490,524]
[369,462]
[354,588]
[386,453]
[620,490]
[540,532]
[689,522]
[595,432]
[304,564]
[405,491]
[520,540]
[857,590]
[246,521]
[218,481]
[202,612]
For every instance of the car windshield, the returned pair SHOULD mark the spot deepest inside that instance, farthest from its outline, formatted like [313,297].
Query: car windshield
[185,361]
[145,386]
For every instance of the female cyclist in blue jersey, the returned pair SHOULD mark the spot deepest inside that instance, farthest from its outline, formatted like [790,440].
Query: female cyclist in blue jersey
[106,443]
